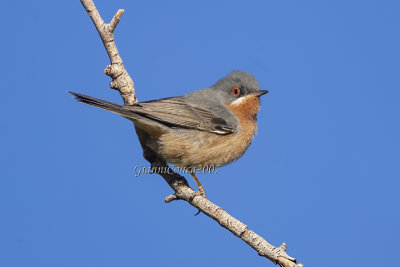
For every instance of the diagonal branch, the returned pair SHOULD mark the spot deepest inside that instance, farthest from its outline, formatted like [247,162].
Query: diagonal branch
[124,84]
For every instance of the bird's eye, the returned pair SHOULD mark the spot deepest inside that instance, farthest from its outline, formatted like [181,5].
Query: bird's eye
[235,91]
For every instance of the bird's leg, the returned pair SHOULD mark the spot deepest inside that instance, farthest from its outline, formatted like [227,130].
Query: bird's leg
[199,185]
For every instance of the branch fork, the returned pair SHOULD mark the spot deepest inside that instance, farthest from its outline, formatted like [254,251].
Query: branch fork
[122,82]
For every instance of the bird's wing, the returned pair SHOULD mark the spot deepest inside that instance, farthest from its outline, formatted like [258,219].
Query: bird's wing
[175,112]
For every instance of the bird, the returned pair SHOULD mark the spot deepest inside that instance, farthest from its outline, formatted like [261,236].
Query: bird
[208,127]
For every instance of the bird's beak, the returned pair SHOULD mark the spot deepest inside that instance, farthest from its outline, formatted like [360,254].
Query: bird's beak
[260,93]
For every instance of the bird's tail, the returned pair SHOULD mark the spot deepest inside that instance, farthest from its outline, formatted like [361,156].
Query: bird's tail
[118,109]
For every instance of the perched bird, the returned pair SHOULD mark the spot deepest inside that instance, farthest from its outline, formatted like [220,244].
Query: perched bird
[208,127]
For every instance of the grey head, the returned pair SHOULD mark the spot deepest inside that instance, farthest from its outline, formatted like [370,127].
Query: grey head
[235,85]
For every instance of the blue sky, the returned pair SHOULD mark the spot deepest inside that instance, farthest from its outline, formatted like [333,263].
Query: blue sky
[322,174]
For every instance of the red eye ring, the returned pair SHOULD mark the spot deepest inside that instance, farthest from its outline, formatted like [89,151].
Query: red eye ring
[235,91]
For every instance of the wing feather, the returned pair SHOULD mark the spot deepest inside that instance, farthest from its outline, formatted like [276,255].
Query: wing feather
[177,113]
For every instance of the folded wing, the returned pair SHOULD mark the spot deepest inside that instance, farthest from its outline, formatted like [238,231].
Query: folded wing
[175,112]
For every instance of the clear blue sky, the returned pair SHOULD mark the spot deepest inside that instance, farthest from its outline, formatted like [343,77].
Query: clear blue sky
[322,174]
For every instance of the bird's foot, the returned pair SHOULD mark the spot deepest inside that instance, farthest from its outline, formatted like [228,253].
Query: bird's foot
[201,192]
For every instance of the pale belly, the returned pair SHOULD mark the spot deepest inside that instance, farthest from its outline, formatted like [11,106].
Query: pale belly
[194,149]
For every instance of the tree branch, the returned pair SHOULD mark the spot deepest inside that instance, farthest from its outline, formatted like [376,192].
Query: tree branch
[124,84]
[121,80]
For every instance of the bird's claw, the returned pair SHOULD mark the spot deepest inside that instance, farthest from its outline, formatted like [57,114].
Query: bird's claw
[200,192]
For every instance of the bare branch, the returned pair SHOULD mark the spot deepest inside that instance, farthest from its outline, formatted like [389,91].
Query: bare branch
[170,198]
[116,19]
[184,192]
[123,82]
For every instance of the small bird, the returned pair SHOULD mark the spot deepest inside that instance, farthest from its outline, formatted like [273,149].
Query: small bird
[208,127]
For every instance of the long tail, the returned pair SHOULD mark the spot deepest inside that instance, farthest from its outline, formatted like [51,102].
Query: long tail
[150,126]
[118,109]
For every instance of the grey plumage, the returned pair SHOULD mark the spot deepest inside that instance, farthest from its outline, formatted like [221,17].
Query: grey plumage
[170,112]
[196,110]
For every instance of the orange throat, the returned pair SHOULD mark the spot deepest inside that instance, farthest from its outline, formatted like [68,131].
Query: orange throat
[245,110]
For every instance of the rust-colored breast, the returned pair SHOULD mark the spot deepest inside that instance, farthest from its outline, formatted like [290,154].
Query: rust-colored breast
[193,148]
[246,112]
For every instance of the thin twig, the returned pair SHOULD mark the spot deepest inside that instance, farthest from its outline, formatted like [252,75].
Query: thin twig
[116,19]
[123,82]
